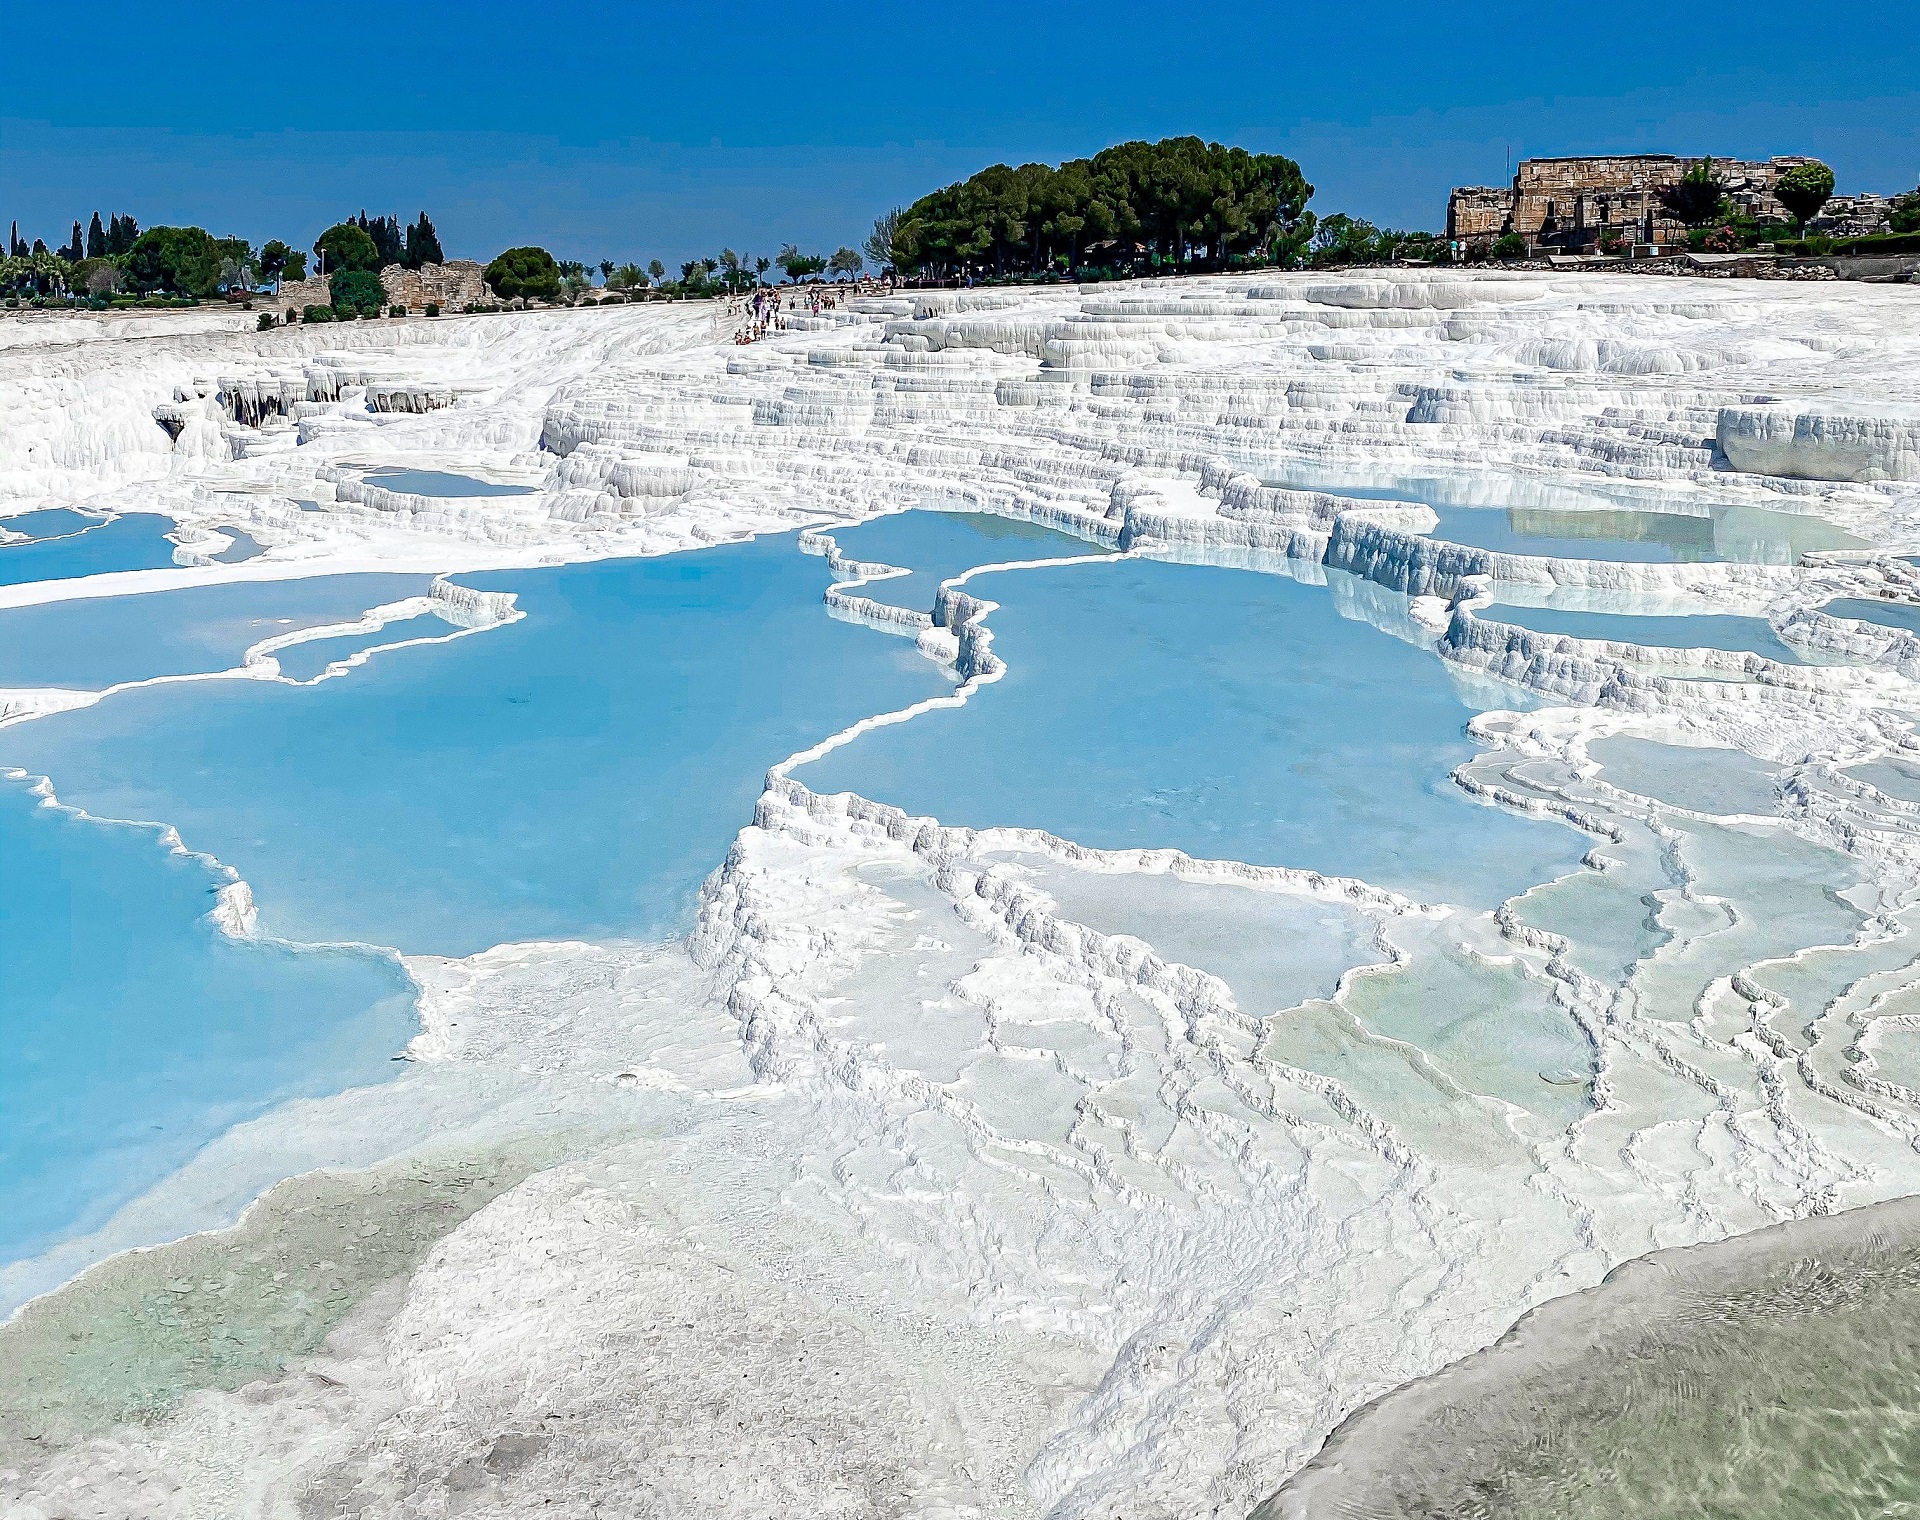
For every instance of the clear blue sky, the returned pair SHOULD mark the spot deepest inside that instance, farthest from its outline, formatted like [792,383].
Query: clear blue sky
[667,130]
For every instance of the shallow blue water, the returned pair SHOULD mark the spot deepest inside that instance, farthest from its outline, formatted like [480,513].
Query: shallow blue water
[1658,537]
[136,541]
[1750,635]
[1902,615]
[1595,522]
[302,662]
[1229,714]
[577,773]
[93,643]
[135,1031]
[243,547]
[441,483]
[939,545]
[49,522]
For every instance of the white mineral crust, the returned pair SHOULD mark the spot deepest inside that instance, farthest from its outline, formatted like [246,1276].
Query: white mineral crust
[911,1194]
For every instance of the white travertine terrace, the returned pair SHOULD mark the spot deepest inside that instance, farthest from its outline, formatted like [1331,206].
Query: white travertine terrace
[926,1198]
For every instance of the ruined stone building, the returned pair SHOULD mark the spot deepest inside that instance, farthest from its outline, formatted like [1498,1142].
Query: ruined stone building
[1576,203]
[453,286]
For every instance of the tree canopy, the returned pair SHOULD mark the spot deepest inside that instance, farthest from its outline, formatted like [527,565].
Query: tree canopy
[878,246]
[798,265]
[346,246]
[1171,199]
[179,260]
[1697,197]
[1906,211]
[388,246]
[524,273]
[1804,189]
[356,290]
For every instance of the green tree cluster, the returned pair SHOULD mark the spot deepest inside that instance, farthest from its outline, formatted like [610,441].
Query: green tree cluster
[524,274]
[1183,201]
[1342,239]
[389,246]
[798,265]
[372,243]
[1906,211]
[357,290]
[187,261]
[423,244]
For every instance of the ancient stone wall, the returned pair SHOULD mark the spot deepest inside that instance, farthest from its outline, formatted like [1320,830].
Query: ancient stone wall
[1854,216]
[1478,211]
[300,294]
[453,286]
[1576,202]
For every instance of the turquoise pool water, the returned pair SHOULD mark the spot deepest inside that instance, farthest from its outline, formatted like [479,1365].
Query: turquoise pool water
[1751,635]
[49,522]
[1229,714]
[442,483]
[1901,615]
[573,774]
[136,541]
[92,643]
[302,662]
[135,1031]
[937,546]
[244,547]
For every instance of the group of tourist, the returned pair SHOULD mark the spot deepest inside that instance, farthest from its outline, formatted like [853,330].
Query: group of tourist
[765,310]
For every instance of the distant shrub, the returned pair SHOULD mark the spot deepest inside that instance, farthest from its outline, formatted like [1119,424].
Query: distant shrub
[1510,246]
[317,314]
[1721,240]
[396,310]
[433,308]
[1853,247]
[264,322]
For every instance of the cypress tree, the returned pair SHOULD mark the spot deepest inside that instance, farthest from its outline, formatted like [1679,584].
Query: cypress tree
[16,245]
[423,244]
[121,233]
[75,251]
[96,238]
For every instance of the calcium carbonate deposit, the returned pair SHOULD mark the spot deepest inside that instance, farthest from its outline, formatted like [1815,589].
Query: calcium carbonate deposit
[1433,946]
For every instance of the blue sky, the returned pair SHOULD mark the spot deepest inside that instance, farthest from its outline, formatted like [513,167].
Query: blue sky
[668,130]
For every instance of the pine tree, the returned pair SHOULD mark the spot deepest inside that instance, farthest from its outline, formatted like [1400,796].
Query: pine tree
[96,238]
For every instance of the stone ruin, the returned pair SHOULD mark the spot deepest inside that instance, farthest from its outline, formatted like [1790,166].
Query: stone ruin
[453,286]
[1572,204]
